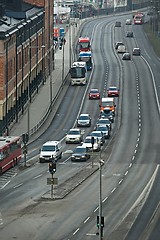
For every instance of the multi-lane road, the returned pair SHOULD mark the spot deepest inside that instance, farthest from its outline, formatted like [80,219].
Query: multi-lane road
[130,175]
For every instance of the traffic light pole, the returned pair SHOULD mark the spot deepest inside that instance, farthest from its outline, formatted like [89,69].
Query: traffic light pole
[52,170]
[100,202]
[52,187]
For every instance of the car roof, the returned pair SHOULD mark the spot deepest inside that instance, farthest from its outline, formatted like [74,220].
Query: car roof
[74,129]
[136,48]
[82,146]
[112,87]
[84,114]
[50,143]
[94,89]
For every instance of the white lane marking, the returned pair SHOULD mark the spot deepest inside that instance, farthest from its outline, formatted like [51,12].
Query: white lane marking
[76,231]
[18,185]
[37,176]
[113,190]
[5,185]
[86,219]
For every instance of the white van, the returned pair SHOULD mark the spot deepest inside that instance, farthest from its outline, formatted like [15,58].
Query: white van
[51,150]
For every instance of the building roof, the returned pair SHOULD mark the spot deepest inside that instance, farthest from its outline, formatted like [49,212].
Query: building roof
[12,17]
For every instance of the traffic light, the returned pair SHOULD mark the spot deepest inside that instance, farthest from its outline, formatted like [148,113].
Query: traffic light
[25,149]
[102,221]
[52,167]
[25,137]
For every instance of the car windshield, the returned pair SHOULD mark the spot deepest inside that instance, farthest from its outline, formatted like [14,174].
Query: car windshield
[94,91]
[73,132]
[104,121]
[83,118]
[98,134]
[80,150]
[48,148]
[104,104]
[106,111]
[101,129]
[112,89]
[88,140]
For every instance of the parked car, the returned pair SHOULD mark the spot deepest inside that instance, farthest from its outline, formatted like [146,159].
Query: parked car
[105,130]
[126,56]
[84,120]
[96,146]
[99,135]
[75,135]
[81,153]
[136,51]
[94,94]
[113,91]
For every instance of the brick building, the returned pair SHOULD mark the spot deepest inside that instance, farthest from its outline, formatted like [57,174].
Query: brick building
[25,52]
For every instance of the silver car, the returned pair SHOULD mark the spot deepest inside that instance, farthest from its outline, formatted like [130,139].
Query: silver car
[84,120]
[75,135]
[99,135]
[105,130]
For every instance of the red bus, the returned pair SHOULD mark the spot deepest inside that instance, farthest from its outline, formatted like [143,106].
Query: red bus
[138,18]
[10,152]
[84,44]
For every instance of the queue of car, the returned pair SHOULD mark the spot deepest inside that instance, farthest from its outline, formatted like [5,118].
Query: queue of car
[102,130]
[121,48]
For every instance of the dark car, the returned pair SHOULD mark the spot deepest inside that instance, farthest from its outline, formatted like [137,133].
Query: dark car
[126,56]
[129,34]
[136,52]
[107,113]
[81,153]
[118,24]
[94,94]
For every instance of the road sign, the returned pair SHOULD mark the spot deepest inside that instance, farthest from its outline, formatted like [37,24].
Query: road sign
[53,181]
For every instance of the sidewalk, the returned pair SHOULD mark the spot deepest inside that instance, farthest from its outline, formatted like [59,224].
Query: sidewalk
[40,104]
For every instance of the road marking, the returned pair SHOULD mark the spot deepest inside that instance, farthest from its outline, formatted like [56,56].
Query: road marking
[76,231]
[37,176]
[86,219]
[18,185]
[5,185]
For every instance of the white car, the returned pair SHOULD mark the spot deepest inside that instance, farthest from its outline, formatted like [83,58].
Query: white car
[88,143]
[121,49]
[128,21]
[84,120]
[75,135]
[99,135]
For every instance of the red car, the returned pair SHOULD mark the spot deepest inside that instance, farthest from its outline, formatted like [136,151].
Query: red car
[94,94]
[113,91]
